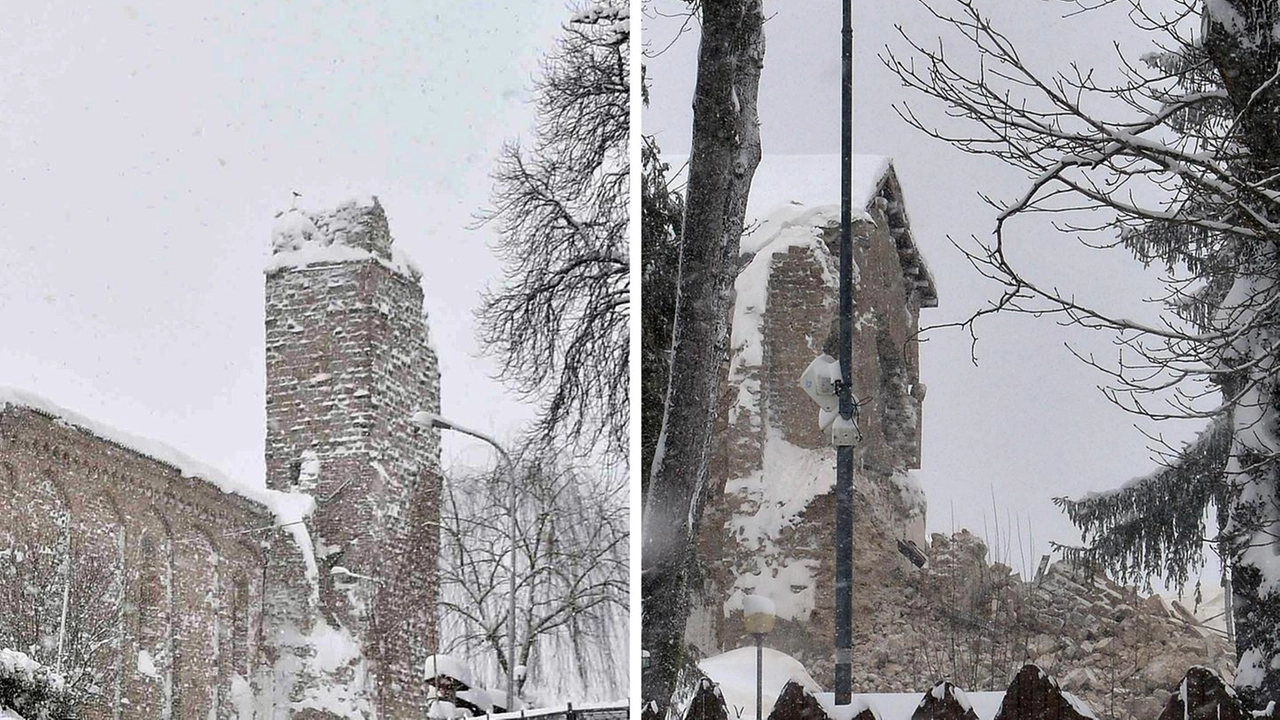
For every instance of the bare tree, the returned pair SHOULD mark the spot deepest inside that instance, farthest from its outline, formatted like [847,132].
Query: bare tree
[725,150]
[1183,171]
[62,606]
[558,323]
[571,559]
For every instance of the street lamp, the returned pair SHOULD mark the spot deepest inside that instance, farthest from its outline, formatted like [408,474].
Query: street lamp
[424,419]
[758,615]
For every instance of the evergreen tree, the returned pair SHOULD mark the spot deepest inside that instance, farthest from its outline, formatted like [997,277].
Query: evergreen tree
[1202,137]
[660,212]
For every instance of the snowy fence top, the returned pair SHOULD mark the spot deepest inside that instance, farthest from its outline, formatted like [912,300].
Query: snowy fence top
[612,710]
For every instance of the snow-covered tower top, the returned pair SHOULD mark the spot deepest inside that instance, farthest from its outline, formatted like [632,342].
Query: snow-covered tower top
[356,229]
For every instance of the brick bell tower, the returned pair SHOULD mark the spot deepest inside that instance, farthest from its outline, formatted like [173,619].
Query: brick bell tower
[348,361]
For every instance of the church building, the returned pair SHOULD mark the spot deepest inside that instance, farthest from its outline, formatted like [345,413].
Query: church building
[163,589]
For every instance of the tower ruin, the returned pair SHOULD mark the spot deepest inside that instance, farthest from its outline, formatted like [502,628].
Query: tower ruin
[348,361]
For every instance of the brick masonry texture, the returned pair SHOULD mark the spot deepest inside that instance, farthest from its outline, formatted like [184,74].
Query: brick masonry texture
[798,325]
[174,554]
[207,604]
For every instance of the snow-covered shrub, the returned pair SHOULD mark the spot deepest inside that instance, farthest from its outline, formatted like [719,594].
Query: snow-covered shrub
[34,690]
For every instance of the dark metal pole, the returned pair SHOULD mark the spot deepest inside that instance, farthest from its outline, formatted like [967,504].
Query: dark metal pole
[759,673]
[844,452]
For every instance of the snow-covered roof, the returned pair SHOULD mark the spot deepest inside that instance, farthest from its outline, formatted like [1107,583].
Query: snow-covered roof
[812,181]
[288,508]
[735,673]
[786,185]
[448,665]
[353,230]
[789,188]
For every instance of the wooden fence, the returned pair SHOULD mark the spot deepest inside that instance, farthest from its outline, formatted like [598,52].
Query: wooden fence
[1032,695]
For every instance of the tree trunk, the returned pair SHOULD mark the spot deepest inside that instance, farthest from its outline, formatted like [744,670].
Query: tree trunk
[724,153]
[1240,41]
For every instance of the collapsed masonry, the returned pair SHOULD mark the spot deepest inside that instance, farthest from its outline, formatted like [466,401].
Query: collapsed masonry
[173,592]
[769,517]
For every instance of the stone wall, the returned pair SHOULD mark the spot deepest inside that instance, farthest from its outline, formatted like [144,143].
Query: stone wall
[774,441]
[974,622]
[348,363]
[164,571]
[166,597]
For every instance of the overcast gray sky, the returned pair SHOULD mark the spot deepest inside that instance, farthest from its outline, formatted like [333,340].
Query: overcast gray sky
[147,146]
[1026,423]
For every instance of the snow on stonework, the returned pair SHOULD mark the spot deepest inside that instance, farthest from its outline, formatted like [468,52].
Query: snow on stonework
[289,509]
[771,506]
[354,230]
[790,227]
[792,208]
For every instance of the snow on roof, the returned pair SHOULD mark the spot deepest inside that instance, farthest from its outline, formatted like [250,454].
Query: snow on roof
[735,673]
[442,664]
[783,181]
[289,509]
[353,230]
[810,181]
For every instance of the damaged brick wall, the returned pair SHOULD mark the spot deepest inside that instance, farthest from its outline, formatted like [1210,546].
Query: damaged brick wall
[799,324]
[348,363]
[196,602]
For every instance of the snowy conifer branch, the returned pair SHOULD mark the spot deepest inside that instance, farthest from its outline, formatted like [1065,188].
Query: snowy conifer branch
[1154,525]
[1186,173]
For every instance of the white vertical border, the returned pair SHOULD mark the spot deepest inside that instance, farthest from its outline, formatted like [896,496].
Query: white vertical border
[636,303]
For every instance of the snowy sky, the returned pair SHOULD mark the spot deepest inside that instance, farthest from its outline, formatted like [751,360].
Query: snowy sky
[1026,423]
[148,145]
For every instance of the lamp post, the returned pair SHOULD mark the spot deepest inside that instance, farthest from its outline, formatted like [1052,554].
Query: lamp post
[844,441]
[425,419]
[758,615]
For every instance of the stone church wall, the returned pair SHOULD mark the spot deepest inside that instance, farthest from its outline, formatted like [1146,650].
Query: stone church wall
[163,596]
[166,571]
[960,617]
[798,325]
